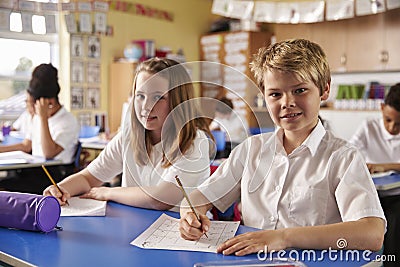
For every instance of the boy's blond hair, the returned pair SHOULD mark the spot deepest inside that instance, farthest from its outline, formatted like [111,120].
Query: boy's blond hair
[301,57]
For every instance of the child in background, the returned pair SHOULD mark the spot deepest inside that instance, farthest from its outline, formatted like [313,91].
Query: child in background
[24,122]
[379,142]
[164,136]
[305,188]
[54,133]
[230,122]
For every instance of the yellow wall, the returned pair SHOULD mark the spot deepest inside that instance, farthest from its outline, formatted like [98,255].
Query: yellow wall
[192,18]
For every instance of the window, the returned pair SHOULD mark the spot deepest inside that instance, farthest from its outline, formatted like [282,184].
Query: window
[21,52]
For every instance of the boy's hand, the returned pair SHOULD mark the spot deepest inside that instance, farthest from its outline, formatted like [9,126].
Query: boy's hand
[191,228]
[253,242]
[374,168]
[53,191]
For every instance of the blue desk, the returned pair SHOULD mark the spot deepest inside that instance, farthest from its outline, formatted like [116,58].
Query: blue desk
[104,241]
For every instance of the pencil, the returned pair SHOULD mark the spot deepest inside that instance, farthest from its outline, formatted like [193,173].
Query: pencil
[187,199]
[53,182]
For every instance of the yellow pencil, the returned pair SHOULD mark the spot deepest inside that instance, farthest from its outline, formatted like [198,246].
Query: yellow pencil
[53,182]
[188,200]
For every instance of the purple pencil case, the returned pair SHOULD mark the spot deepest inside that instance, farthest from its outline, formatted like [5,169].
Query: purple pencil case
[28,211]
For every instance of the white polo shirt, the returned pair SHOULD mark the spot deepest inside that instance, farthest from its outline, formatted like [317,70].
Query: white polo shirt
[64,130]
[375,143]
[323,181]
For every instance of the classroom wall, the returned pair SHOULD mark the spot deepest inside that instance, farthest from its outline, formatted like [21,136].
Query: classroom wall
[192,18]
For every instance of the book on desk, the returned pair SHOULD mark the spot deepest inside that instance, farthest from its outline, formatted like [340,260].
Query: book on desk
[387,181]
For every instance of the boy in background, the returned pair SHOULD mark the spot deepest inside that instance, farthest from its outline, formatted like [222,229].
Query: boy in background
[304,187]
[379,142]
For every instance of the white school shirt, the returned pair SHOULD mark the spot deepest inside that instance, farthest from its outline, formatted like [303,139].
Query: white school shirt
[64,130]
[323,181]
[24,123]
[375,143]
[193,167]
[378,146]
[235,127]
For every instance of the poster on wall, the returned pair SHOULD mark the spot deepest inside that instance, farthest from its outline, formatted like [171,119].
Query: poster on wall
[77,72]
[93,72]
[77,46]
[76,98]
[93,98]
[94,47]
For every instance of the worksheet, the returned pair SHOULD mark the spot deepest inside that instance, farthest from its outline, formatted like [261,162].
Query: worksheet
[84,207]
[164,234]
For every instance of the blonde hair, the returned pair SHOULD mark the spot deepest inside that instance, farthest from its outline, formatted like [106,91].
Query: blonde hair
[185,117]
[301,57]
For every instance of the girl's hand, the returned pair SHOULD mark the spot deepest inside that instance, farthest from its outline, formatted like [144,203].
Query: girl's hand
[42,107]
[253,242]
[99,193]
[191,228]
[61,197]
[374,168]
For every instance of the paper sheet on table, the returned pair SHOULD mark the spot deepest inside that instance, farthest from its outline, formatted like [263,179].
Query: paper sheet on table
[164,234]
[382,174]
[84,207]
[19,157]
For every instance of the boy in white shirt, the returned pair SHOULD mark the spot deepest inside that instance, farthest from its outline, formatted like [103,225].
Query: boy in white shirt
[379,142]
[304,187]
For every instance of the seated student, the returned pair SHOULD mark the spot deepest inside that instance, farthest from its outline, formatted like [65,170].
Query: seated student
[54,133]
[229,121]
[24,122]
[379,142]
[166,137]
[304,187]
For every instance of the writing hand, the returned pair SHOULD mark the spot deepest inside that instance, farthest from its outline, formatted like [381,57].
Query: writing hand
[191,228]
[61,197]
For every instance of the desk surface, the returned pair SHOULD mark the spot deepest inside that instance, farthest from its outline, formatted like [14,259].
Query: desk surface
[104,241]
[8,167]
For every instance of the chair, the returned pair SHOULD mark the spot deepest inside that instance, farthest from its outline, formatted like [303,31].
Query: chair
[75,166]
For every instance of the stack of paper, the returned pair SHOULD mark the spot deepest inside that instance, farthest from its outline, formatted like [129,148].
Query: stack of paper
[84,207]
[19,157]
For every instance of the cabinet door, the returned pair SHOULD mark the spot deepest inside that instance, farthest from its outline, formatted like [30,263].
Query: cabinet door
[392,39]
[121,81]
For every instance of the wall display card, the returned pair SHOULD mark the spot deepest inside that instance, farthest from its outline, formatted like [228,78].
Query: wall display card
[26,5]
[68,6]
[240,9]
[339,9]
[70,21]
[264,12]
[5,19]
[100,6]
[26,19]
[164,234]
[10,4]
[392,4]
[93,72]
[367,7]
[284,13]
[93,98]
[94,47]
[77,72]
[77,98]
[100,22]
[84,6]
[53,7]
[50,23]
[311,12]
[220,7]
[85,23]
[77,46]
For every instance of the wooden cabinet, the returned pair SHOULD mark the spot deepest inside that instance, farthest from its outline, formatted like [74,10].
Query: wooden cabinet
[121,81]
[364,43]
[226,70]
